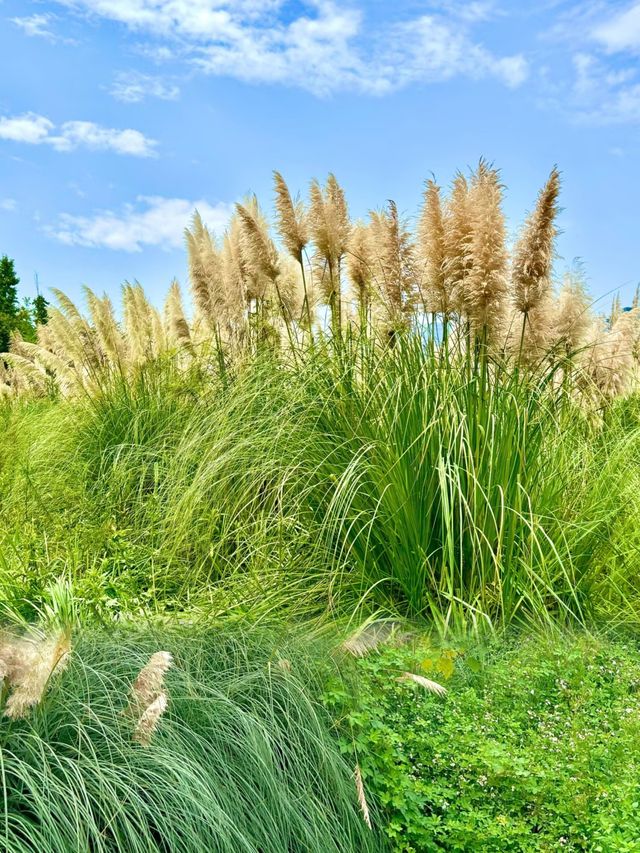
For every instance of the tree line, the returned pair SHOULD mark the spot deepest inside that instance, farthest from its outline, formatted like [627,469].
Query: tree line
[15,315]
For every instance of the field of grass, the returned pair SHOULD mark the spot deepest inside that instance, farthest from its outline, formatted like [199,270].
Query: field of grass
[378,504]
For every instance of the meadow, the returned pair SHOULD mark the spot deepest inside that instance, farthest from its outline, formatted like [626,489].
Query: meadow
[343,557]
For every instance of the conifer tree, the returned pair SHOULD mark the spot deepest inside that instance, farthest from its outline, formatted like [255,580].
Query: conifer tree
[8,301]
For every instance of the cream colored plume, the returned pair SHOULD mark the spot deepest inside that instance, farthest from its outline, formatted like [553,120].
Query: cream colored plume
[534,252]
[360,266]
[330,229]
[485,287]
[393,259]
[457,237]
[149,720]
[149,682]
[29,664]
[258,248]
[293,225]
[175,321]
[362,799]
[432,254]
[572,317]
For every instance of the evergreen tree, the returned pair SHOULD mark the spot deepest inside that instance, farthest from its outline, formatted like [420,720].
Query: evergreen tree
[8,301]
[40,313]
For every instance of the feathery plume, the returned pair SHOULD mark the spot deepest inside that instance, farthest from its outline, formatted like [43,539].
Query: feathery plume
[362,799]
[292,219]
[534,252]
[32,671]
[573,318]
[457,239]
[609,356]
[138,323]
[486,283]
[330,229]
[258,248]
[235,273]
[432,250]
[394,264]
[109,337]
[175,321]
[360,265]
[206,274]
[431,686]
[149,720]
[149,682]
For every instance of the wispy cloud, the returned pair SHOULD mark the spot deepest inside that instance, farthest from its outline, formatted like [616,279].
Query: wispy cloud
[8,204]
[602,40]
[604,95]
[318,45]
[151,221]
[133,87]
[39,26]
[34,129]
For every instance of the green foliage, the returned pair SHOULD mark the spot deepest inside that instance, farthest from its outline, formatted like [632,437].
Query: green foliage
[40,313]
[534,748]
[9,282]
[243,759]
[391,479]
[16,317]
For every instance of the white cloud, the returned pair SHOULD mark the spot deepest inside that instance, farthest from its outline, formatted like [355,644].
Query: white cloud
[318,45]
[8,204]
[151,221]
[602,95]
[620,32]
[38,26]
[429,48]
[35,25]
[35,129]
[133,87]
[30,128]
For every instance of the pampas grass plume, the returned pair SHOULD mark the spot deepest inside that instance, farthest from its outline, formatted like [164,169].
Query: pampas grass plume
[534,252]
[29,666]
[431,686]
[362,799]
[150,681]
[149,720]
[292,219]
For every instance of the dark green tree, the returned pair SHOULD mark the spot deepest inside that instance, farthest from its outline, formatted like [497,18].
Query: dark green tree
[40,313]
[8,301]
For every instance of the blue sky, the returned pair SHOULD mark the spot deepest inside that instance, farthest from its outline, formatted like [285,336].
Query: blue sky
[117,117]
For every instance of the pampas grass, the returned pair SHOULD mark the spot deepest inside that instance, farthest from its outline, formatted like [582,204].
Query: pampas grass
[242,757]
[373,278]
[28,664]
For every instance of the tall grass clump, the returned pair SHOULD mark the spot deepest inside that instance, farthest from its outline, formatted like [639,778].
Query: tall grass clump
[219,745]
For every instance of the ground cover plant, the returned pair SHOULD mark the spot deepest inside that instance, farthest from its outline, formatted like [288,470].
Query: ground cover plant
[534,747]
[362,424]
